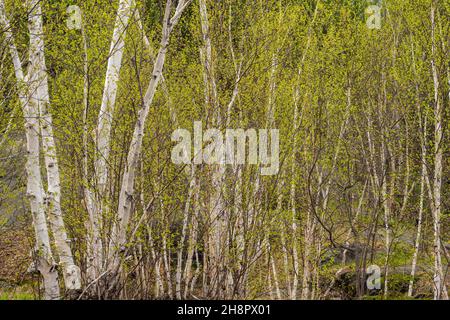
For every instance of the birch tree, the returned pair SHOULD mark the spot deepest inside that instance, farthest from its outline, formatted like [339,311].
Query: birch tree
[34,98]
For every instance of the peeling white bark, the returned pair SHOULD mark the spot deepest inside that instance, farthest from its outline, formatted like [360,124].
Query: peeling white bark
[440,290]
[35,191]
[38,75]
[126,197]
[103,139]
[107,107]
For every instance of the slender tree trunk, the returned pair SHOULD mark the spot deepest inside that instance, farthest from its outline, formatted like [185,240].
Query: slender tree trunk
[107,107]
[419,218]
[440,290]
[103,139]
[274,271]
[126,197]
[308,237]
[218,215]
[71,272]
[293,290]
[192,241]
[43,257]
[187,208]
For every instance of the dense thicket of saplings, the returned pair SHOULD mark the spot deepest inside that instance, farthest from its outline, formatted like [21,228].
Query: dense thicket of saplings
[93,205]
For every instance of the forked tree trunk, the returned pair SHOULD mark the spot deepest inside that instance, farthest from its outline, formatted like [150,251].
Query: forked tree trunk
[71,272]
[103,140]
[127,191]
[30,94]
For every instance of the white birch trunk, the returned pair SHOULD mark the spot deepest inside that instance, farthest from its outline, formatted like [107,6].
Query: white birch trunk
[103,139]
[126,197]
[217,205]
[419,219]
[71,272]
[440,290]
[297,121]
[178,276]
[274,271]
[192,241]
[35,192]
[107,107]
